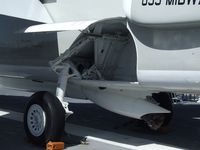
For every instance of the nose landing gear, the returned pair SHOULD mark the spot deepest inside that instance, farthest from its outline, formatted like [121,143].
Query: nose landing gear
[44,118]
[45,114]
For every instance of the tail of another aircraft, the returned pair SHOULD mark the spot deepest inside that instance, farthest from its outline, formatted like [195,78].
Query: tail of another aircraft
[26,9]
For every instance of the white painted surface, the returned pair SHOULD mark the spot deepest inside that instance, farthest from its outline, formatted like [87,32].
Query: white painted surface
[152,146]
[56,27]
[163,13]
[124,98]
[26,9]
[168,69]
[11,115]
[180,80]
[65,39]
[76,10]
[131,103]
[151,58]
[115,139]
[127,7]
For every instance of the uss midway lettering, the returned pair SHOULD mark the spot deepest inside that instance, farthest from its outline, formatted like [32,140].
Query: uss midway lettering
[170,2]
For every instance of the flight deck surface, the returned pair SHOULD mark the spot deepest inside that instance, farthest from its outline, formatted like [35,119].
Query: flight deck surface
[93,128]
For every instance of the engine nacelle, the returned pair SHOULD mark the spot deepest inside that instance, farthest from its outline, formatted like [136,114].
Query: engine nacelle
[162,11]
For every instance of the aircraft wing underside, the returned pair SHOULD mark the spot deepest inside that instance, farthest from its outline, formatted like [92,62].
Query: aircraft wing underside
[65,26]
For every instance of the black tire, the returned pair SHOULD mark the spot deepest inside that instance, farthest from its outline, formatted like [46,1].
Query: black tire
[164,101]
[55,118]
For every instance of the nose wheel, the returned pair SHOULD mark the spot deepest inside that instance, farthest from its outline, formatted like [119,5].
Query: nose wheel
[36,120]
[45,114]
[44,118]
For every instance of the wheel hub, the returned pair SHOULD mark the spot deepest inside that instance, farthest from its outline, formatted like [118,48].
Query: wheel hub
[36,120]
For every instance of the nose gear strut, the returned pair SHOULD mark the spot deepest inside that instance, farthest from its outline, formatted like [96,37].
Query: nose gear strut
[68,70]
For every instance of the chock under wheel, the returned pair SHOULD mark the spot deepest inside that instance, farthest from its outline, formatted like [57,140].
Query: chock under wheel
[55,146]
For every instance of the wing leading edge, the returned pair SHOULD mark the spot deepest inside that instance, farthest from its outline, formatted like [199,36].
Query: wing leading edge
[56,27]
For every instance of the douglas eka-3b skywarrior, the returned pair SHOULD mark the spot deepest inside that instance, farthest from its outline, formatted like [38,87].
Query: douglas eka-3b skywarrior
[127,65]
